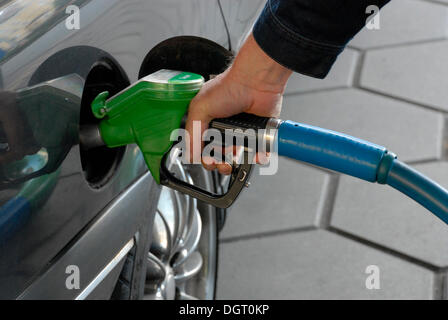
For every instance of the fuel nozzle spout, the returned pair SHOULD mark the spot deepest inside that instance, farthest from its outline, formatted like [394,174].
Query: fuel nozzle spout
[90,137]
[145,113]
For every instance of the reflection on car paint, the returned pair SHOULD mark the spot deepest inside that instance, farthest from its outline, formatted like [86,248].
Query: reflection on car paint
[22,21]
[31,197]
[40,126]
[27,166]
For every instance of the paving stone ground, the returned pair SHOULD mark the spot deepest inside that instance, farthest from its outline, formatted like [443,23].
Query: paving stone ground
[310,234]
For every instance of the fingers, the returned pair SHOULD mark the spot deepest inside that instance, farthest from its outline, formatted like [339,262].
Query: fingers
[262,158]
[209,163]
[223,97]
[221,159]
[225,169]
[197,123]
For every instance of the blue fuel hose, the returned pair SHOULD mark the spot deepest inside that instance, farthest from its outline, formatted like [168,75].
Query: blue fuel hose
[415,185]
[358,158]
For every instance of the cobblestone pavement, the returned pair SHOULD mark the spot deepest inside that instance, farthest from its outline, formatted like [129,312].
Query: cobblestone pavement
[310,234]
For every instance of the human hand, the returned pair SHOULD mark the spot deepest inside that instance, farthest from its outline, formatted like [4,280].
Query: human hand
[254,84]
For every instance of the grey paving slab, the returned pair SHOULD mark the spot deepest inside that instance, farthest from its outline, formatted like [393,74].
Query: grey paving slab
[411,132]
[405,21]
[416,73]
[286,200]
[341,75]
[314,265]
[385,216]
[405,59]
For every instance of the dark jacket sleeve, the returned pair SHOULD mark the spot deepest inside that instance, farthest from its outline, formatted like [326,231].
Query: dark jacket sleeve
[306,36]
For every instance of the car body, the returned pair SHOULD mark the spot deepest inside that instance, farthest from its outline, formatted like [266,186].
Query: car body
[64,210]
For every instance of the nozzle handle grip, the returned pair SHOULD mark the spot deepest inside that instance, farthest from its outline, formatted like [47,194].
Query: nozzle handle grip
[249,127]
[242,121]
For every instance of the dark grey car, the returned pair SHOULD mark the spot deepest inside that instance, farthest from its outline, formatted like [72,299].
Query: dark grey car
[92,224]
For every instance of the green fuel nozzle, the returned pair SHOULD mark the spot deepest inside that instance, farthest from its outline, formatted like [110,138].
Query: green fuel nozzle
[146,113]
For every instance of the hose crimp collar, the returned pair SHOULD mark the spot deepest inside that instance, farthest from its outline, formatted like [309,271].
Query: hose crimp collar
[384,167]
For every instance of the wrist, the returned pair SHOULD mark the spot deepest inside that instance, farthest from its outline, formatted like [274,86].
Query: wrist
[254,68]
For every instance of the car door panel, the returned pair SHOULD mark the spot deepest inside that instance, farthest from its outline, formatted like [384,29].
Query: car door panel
[61,204]
[240,16]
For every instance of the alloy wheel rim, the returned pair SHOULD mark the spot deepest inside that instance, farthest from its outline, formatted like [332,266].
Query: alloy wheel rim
[181,262]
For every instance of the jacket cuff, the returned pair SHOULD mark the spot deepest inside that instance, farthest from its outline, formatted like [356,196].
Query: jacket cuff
[292,50]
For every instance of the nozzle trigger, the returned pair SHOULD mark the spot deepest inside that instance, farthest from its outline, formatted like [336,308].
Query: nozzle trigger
[238,181]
